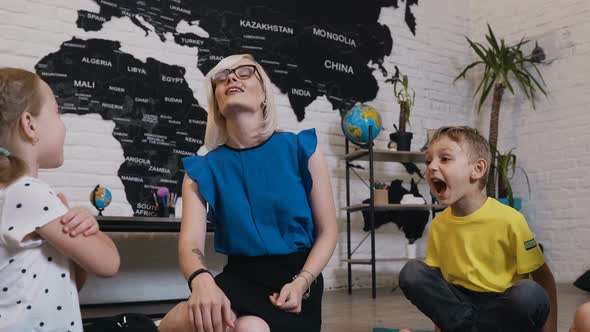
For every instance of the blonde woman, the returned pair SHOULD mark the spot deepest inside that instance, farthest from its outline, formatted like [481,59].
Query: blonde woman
[275,219]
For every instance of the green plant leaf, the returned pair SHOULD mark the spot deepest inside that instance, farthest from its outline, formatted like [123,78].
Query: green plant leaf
[524,82]
[505,63]
[528,183]
[538,73]
[492,39]
[532,78]
[506,163]
[518,45]
[483,81]
[485,93]
[462,74]
[476,47]
[404,95]
[512,162]
[506,81]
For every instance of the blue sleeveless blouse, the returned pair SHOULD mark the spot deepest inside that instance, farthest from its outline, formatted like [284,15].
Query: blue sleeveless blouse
[260,195]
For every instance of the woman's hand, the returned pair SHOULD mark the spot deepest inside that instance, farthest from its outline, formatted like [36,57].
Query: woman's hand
[290,298]
[209,308]
[78,220]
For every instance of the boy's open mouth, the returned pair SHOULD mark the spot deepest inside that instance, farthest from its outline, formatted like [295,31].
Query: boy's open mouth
[440,187]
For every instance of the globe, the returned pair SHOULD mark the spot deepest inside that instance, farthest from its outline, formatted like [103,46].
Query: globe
[100,198]
[356,123]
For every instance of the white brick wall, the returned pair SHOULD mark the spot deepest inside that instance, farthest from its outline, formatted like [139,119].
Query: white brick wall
[551,141]
[432,58]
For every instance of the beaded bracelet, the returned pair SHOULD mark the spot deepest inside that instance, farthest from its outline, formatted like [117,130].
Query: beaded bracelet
[308,291]
[311,274]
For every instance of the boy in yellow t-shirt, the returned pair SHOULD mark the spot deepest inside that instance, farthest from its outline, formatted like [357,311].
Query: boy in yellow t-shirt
[480,253]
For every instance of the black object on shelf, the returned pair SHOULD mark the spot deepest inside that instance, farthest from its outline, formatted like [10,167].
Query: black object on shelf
[411,221]
[402,139]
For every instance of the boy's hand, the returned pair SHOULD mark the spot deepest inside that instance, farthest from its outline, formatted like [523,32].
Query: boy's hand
[78,220]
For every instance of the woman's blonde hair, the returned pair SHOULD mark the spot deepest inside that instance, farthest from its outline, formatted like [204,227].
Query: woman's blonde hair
[19,93]
[216,132]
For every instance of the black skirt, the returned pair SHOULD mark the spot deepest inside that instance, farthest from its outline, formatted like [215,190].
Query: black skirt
[248,282]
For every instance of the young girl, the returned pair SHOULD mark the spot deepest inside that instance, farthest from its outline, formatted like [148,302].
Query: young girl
[42,256]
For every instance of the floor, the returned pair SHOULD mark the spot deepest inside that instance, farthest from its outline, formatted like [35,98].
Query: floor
[359,312]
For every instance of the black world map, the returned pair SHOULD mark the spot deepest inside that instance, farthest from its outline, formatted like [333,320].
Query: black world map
[308,48]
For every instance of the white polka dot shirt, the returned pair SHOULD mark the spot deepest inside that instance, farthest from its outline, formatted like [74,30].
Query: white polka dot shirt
[37,285]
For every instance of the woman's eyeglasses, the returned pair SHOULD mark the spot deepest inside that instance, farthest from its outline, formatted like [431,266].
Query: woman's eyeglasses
[242,72]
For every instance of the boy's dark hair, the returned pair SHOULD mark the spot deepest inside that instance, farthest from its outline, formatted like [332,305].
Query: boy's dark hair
[477,145]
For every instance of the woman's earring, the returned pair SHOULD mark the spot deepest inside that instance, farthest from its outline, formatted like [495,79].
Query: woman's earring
[263,104]
[35,140]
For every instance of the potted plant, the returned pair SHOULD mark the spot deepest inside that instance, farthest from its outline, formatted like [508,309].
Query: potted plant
[506,166]
[504,66]
[405,97]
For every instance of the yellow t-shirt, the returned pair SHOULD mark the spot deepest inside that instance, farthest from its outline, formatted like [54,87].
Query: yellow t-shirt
[486,251]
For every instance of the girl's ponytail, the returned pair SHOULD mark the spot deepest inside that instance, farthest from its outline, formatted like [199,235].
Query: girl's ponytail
[11,168]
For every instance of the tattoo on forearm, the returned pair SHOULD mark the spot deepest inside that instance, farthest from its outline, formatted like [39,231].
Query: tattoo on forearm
[200,255]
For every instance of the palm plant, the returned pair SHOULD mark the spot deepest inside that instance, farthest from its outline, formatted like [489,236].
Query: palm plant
[405,97]
[506,170]
[503,66]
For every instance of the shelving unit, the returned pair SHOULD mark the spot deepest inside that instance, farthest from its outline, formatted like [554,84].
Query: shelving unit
[373,155]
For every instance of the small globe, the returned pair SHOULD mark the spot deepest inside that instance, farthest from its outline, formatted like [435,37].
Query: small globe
[100,198]
[356,123]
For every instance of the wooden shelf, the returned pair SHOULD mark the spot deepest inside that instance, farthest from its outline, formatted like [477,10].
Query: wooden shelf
[142,224]
[136,219]
[396,207]
[387,155]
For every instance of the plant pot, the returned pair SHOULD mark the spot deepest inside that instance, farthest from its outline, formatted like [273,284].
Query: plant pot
[517,202]
[402,139]
[381,197]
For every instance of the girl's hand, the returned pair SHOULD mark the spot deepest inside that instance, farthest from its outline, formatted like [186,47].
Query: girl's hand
[291,296]
[78,220]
